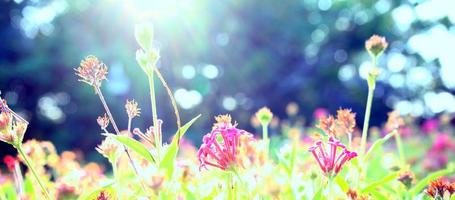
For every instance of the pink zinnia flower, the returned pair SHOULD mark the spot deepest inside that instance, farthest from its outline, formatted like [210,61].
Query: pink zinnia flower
[330,159]
[220,146]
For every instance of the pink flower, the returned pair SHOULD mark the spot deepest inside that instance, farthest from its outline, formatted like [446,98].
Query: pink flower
[331,160]
[10,162]
[220,146]
[430,126]
[320,113]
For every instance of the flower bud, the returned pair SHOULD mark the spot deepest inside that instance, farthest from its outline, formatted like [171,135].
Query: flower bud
[376,45]
[264,115]
[144,35]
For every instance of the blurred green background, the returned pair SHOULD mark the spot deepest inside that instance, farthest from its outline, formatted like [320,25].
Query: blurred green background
[222,57]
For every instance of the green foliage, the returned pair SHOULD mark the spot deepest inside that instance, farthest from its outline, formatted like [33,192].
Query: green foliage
[431,177]
[134,145]
[168,162]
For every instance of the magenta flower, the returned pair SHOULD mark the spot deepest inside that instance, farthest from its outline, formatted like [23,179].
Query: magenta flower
[330,159]
[220,146]
[430,126]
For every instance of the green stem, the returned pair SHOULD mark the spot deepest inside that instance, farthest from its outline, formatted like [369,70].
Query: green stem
[115,170]
[30,166]
[371,86]
[366,121]
[265,132]
[400,150]
[265,138]
[117,131]
[230,186]
[330,194]
[154,115]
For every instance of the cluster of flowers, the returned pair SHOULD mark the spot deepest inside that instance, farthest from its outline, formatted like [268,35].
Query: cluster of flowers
[329,160]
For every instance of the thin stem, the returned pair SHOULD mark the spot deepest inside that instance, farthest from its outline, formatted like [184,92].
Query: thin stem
[265,132]
[19,178]
[366,121]
[265,138]
[129,124]
[400,149]
[115,170]
[154,116]
[111,119]
[174,104]
[30,166]
[371,86]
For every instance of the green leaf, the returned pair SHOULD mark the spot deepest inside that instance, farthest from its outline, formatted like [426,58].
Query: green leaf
[342,183]
[319,194]
[134,145]
[431,177]
[377,145]
[378,195]
[380,182]
[168,161]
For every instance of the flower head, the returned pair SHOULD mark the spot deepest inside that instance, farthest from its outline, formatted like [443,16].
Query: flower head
[264,116]
[12,126]
[332,158]
[343,124]
[328,125]
[103,121]
[92,71]
[103,195]
[220,147]
[440,189]
[394,121]
[376,45]
[346,120]
[109,148]
[132,109]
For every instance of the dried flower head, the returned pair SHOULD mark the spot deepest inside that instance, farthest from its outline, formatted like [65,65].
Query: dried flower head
[12,126]
[328,125]
[92,71]
[330,161]
[345,120]
[103,121]
[440,189]
[132,109]
[407,178]
[220,146]
[264,115]
[109,148]
[376,45]
[394,121]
